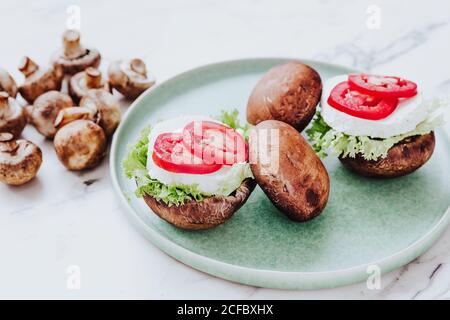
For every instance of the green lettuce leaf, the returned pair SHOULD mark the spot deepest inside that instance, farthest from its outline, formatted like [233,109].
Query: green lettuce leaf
[231,119]
[134,166]
[324,138]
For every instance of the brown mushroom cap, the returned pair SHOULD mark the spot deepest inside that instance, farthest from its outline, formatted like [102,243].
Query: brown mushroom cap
[80,83]
[45,109]
[403,158]
[206,214]
[106,105]
[73,57]
[68,115]
[19,160]
[12,116]
[7,83]
[288,170]
[38,81]
[129,77]
[289,92]
[80,144]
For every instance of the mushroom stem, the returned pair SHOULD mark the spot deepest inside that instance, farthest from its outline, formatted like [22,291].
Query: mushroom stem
[7,143]
[73,113]
[93,78]
[3,100]
[138,66]
[5,109]
[6,136]
[29,112]
[28,66]
[71,44]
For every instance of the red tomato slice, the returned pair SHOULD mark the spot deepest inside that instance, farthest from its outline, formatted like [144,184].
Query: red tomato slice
[360,105]
[384,86]
[215,143]
[169,153]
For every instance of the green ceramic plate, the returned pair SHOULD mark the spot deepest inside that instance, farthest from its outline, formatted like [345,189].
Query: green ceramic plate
[366,222]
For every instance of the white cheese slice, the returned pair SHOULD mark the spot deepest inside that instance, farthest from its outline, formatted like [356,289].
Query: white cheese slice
[222,182]
[405,118]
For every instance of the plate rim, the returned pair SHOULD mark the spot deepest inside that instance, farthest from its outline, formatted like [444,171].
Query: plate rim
[262,277]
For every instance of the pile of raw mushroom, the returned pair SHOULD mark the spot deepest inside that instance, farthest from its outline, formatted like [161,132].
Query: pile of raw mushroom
[80,122]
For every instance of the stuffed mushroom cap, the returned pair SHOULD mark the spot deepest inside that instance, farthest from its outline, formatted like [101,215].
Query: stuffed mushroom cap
[403,158]
[289,92]
[7,83]
[206,214]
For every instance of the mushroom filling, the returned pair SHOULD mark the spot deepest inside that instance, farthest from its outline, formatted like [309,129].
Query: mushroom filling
[324,137]
[180,188]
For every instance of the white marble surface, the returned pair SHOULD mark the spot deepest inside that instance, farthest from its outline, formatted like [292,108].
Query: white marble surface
[63,218]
